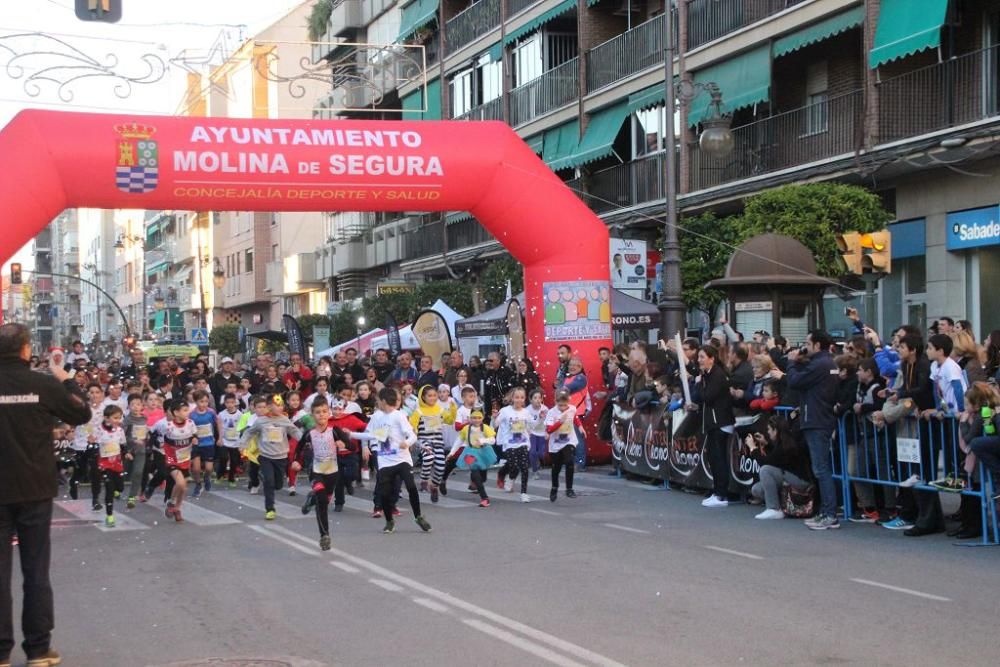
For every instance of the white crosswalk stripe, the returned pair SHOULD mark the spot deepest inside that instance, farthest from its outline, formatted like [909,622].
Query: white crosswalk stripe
[82,509]
[199,516]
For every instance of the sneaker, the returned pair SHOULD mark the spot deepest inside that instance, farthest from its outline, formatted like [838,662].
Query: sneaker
[232,485]
[897,524]
[197,492]
[471,489]
[715,501]
[50,659]
[291,491]
[143,498]
[525,498]
[950,483]
[500,483]
[770,514]
[422,522]
[434,494]
[338,508]
[97,507]
[423,487]
[509,486]
[109,521]
[396,512]
[130,503]
[324,542]
[824,523]
[208,484]
[484,503]
[169,512]
[443,488]
[912,481]
[865,516]
[377,514]
[118,494]
[570,493]
[270,515]
[254,490]
[177,516]
[536,475]
[310,502]
[553,494]
[390,526]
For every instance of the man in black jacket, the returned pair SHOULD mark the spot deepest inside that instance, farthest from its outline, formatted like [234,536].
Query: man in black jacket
[30,403]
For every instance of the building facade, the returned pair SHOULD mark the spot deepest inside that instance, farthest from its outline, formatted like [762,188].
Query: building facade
[898,95]
[96,233]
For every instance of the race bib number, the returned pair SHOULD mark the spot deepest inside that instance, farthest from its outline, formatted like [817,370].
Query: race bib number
[517,431]
[566,428]
[184,454]
[110,449]
[272,435]
[204,430]
[325,467]
[476,438]
[139,432]
[231,434]
[88,429]
[432,423]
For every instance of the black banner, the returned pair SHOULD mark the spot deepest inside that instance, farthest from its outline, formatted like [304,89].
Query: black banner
[392,335]
[641,440]
[296,341]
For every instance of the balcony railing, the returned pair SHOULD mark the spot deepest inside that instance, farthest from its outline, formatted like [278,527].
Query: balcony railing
[622,186]
[630,52]
[492,110]
[553,89]
[961,90]
[711,19]
[424,241]
[472,24]
[807,134]
[515,6]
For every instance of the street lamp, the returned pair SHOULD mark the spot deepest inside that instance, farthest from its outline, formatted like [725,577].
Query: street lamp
[717,141]
[218,274]
[361,326]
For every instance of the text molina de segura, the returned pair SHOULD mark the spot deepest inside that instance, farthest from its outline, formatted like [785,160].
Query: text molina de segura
[220,159]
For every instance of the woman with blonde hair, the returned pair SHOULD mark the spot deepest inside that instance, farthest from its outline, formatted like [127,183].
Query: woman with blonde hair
[965,351]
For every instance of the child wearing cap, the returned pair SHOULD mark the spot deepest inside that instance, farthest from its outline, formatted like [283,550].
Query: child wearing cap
[559,423]
[477,454]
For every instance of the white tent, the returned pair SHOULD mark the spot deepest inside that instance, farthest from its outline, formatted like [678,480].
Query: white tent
[362,343]
[449,315]
[378,338]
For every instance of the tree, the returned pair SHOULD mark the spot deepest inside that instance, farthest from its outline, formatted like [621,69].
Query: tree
[401,305]
[814,213]
[493,280]
[226,339]
[344,325]
[707,243]
[455,293]
[307,322]
[318,18]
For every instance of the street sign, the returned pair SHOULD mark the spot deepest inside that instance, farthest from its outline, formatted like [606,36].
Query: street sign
[199,336]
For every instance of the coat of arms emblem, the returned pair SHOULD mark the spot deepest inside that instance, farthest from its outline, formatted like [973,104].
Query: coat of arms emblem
[138,168]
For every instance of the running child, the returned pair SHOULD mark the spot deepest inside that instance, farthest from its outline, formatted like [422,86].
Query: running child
[347,457]
[272,431]
[537,436]
[206,421]
[229,427]
[477,453]
[559,424]
[85,446]
[295,411]
[112,447]
[319,452]
[177,436]
[136,431]
[429,421]
[393,438]
[250,447]
[512,425]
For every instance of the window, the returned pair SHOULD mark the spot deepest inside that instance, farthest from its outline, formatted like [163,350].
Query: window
[275,253]
[248,261]
[915,272]
[461,93]
[647,131]
[817,99]
[528,60]
[490,79]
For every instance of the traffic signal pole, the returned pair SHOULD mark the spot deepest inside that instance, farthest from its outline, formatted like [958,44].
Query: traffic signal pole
[128,329]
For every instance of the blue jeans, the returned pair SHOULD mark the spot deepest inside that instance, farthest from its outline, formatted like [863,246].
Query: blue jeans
[819,443]
[581,450]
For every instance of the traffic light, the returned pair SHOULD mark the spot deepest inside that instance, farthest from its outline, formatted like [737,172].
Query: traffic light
[877,248]
[15,273]
[849,245]
[106,11]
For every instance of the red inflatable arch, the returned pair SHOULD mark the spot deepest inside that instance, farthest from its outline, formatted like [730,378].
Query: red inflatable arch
[55,160]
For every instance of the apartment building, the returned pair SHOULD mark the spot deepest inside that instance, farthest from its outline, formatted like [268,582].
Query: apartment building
[96,233]
[54,289]
[897,95]
[129,279]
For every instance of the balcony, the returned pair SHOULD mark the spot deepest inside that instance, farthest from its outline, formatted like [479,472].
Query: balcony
[622,186]
[629,53]
[709,20]
[788,139]
[492,110]
[423,241]
[293,275]
[959,91]
[346,16]
[553,89]
[517,6]
[472,23]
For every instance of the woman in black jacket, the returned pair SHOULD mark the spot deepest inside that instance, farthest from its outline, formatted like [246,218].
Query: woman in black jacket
[781,461]
[716,405]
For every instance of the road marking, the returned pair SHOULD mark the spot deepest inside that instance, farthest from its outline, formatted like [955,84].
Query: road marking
[83,510]
[514,640]
[549,512]
[432,605]
[200,516]
[742,554]
[468,607]
[345,567]
[908,591]
[294,545]
[284,510]
[387,585]
[626,528]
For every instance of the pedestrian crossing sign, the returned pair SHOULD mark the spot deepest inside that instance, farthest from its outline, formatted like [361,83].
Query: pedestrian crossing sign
[199,336]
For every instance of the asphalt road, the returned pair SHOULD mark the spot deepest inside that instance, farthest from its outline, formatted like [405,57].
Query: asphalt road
[623,574]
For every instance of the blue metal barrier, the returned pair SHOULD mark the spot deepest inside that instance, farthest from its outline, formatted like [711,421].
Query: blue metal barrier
[883,457]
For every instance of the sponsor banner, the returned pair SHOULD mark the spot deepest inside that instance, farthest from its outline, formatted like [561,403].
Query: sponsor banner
[577,310]
[392,336]
[515,331]
[296,341]
[973,229]
[632,321]
[628,264]
[321,338]
[431,331]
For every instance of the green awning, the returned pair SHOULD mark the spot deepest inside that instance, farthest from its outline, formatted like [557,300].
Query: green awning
[647,98]
[413,105]
[539,21]
[599,139]
[743,80]
[817,32]
[156,268]
[535,143]
[457,216]
[591,3]
[496,52]
[169,317]
[560,145]
[415,16]
[433,100]
[906,27]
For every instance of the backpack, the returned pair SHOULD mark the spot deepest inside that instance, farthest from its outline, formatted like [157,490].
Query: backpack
[798,503]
